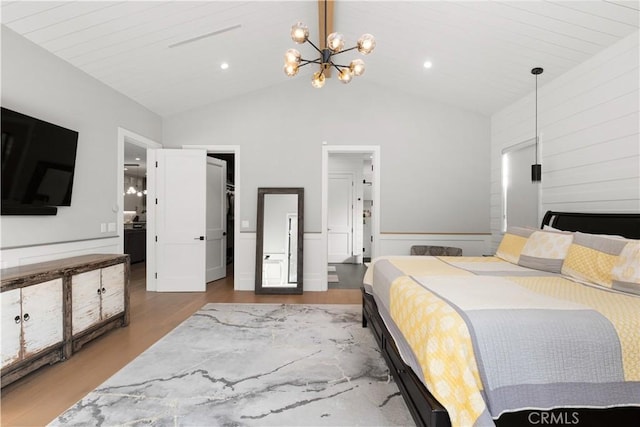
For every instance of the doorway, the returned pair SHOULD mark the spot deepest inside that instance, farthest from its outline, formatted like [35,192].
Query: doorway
[153,214]
[135,202]
[230,159]
[520,196]
[344,210]
[350,191]
[230,154]
[132,208]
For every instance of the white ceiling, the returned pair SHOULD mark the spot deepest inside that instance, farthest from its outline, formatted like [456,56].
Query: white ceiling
[482,51]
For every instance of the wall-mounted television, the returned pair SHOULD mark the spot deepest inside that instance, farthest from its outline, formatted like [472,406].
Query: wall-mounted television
[38,162]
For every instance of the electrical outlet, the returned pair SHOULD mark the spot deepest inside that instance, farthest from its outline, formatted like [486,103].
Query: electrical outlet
[245,224]
[112,226]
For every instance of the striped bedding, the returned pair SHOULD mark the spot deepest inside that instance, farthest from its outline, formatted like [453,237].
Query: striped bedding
[487,337]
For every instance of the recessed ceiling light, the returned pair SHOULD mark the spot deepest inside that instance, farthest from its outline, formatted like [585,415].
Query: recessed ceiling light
[224,65]
[427,64]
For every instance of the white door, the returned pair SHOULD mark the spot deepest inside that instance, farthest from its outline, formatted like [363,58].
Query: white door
[11,326]
[42,316]
[339,219]
[216,247]
[181,177]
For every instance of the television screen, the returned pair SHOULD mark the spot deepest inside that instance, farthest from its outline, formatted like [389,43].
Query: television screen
[38,161]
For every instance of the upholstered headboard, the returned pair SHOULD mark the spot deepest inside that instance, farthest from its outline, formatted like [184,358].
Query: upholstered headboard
[620,224]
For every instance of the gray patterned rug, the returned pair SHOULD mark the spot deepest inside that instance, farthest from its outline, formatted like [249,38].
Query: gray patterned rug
[254,365]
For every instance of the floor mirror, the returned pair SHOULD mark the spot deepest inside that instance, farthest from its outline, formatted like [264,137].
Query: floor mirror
[280,231]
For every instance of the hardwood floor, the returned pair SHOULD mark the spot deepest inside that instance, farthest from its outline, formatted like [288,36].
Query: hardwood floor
[40,397]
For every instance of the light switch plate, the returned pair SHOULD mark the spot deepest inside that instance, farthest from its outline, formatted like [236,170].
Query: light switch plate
[112,226]
[245,224]
[103,227]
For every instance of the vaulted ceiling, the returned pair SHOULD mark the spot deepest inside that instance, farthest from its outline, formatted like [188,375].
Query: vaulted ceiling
[167,55]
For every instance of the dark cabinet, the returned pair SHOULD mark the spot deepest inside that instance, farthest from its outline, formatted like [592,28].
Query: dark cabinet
[135,244]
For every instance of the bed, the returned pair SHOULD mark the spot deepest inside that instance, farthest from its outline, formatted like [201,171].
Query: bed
[545,332]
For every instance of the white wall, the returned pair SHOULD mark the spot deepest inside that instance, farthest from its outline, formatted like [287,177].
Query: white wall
[588,122]
[434,158]
[36,83]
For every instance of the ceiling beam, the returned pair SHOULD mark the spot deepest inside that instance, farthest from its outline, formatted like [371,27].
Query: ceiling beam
[324,32]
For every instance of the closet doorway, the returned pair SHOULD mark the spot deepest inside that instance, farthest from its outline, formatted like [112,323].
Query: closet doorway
[229,210]
[231,155]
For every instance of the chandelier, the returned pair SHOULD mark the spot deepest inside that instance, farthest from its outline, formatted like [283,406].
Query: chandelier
[334,46]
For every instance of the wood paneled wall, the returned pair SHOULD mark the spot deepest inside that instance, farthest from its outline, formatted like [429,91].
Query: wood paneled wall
[588,121]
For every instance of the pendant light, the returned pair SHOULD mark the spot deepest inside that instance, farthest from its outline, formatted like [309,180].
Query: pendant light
[536,169]
[133,188]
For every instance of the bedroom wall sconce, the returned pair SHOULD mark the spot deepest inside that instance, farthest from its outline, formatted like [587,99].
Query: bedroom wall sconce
[334,45]
[536,169]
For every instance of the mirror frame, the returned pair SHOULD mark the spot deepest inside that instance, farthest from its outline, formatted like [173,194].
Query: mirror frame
[262,191]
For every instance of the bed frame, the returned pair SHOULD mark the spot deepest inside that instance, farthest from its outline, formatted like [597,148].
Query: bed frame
[620,224]
[427,411]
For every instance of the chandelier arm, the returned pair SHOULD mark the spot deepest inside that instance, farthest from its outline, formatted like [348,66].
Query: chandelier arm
[314,46]
[337,67]
[315,61]
[345,50]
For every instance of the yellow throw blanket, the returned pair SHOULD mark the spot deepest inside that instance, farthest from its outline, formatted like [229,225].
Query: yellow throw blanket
[441,342]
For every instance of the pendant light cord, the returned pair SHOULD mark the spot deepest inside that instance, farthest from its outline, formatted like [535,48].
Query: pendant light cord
[536,119]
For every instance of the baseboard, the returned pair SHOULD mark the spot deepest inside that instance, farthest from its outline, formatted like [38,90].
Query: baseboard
[245,267]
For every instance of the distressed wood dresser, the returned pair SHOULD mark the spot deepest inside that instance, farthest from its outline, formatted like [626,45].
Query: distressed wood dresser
[51,309]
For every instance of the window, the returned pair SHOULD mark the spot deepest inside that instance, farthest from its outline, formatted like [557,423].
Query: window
[519,194]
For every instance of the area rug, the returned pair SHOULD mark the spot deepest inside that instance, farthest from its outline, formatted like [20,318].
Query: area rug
[253,365]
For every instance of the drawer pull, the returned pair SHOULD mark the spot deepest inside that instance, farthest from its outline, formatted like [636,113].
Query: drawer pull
[99,291]
[26,317]
[17,319]
[104,290]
